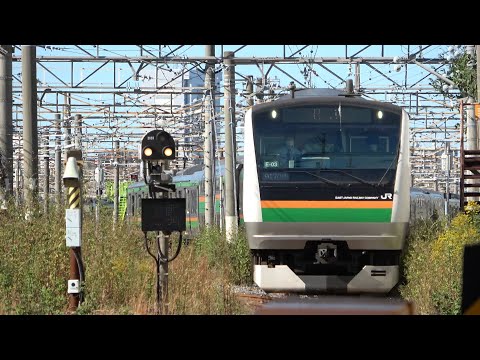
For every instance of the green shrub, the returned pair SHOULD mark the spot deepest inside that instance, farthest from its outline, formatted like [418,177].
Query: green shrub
[433,263]
[234,256]
[120,276]
[32,262]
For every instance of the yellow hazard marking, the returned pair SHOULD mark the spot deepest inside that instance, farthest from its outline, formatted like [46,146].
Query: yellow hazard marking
[73,197]
[74,205]
[73,189]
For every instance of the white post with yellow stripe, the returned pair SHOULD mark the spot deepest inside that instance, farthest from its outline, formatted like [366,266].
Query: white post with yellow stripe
[73,218]
[73,197]
[73,225]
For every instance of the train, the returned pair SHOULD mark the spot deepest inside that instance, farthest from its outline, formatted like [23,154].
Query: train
[323,190]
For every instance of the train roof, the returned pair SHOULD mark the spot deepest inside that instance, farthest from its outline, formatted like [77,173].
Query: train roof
[314,92]
[194,173]
[137,184]
[190,170]
[197,172]
[432,192]
[324,97]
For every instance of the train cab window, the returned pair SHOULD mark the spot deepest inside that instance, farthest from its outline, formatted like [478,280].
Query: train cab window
[384,144]
[332,139]
[379,144]
[273,146]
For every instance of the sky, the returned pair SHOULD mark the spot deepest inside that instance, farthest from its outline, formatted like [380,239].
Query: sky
[394,79]
[370,78]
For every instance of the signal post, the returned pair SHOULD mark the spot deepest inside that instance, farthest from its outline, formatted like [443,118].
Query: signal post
[163,214]
[73,222]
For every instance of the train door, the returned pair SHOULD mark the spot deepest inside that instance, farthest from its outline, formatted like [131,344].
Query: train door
[240,195]
[200,191]
[180,193]
[138,197]
[131,202]
[412,207]
[192,208]
[217,218]
[221,204]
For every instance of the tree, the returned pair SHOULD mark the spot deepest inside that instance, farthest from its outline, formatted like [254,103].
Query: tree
[462,71]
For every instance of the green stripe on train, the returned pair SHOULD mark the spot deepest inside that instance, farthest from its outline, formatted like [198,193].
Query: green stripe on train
[326,215]
[201,206]
[191,224]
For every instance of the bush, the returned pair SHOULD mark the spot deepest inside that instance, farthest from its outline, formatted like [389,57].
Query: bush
[120,276]
[234,257]
[433,262]
[33,263]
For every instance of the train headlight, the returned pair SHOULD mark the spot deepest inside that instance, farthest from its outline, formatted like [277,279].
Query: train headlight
[379,114]
[274,114]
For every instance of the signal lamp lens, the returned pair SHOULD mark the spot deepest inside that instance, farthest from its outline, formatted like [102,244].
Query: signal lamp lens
[167,151]
[148,151]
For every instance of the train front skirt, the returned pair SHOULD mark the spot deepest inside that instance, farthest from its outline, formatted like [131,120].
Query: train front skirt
[280,278]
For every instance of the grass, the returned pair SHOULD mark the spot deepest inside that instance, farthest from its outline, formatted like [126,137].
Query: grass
[120,276]
[433,262]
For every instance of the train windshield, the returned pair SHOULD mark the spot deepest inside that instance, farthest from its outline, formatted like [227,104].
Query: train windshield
[329,144]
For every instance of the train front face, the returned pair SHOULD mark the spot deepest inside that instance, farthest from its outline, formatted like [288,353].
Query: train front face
[333,216]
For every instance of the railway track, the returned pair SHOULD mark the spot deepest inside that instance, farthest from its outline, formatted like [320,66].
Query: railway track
[262,303]
[254,297]
[336,305]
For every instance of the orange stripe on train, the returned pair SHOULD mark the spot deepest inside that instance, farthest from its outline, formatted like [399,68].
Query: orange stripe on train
[202,198]
[337,204]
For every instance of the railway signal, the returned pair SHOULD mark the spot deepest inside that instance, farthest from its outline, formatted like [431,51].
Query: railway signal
[157,151]
[158,145]
[161,212]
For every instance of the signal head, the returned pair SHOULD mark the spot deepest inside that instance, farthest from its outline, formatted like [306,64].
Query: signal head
[158,145]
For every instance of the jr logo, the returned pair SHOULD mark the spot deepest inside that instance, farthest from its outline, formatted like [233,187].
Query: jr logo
[386,196]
